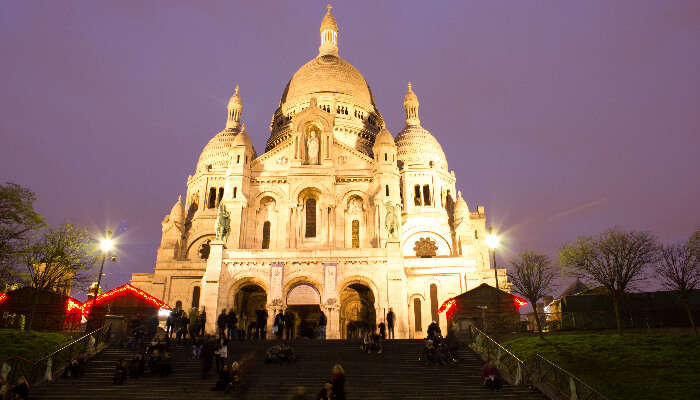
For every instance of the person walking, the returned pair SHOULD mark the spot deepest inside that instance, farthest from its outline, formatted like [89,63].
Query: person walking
[322,322]
[390,323]
[242,321]
[289,324]
[279,325]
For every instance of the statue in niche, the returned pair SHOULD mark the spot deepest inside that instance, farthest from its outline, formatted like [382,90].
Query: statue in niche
[391,221]
[222,225]
[355,205]
[312,147]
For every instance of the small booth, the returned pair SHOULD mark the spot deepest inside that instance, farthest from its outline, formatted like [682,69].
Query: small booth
[485,307]
[52,311]
[123,307]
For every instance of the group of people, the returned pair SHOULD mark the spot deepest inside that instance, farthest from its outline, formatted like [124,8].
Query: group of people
[440,350]
[183,324]
[156,359]
[231,326]
[18,390]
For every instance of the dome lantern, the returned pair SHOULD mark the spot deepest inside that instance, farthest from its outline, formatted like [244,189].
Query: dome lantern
[329,35]
[410,107]
[235,108]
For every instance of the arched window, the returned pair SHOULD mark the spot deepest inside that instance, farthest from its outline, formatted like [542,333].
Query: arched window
[195,296]
[426,195]
[211,203]
[355,234]
[310,218]
[221,196]
[238,159]
[235,192]
[416,198]
[418,324]
[386,157]
[434,303]
[386,189]
[266,235]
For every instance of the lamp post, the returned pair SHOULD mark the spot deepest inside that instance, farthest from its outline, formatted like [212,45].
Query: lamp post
[106,245]
[492,240]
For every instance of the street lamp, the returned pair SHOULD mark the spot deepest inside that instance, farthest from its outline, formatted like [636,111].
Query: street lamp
[106,245]
[492,240]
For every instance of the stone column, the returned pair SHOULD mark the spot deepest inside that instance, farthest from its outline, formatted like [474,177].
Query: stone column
[210,284]
[333,317]
[396,289]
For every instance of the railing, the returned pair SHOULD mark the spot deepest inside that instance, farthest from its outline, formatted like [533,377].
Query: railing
[549,378]
[558,383]
[49,367]
[511,367]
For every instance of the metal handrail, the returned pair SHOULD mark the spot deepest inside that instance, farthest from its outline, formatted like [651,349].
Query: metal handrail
[80,339]
[571,376]
[45,368]
[496,343]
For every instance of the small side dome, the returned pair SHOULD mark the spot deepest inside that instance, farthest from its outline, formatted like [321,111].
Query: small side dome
[242,139]
[177,213]
[384,137]
[461,210]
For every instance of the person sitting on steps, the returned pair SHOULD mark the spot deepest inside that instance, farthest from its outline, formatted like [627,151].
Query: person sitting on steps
[433,330]
[491,376]
[326,392]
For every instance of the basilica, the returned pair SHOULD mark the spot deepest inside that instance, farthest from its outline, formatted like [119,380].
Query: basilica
[336,215]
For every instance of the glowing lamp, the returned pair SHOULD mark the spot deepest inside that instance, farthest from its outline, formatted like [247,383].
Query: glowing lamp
[492,241]
[163,313]
[106,244]
[3,297]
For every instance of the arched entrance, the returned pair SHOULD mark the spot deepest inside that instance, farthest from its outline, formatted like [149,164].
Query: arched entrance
[357,313]
[247,302]
[304,301]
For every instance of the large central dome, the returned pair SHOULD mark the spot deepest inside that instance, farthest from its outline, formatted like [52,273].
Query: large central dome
[327,74]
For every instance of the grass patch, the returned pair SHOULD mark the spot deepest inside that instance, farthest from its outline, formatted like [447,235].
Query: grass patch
[31,345]
[632,366]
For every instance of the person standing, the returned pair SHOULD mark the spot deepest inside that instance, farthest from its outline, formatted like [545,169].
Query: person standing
[322,322]
[261,323]
[242,321]
[231,322]
[338,381]
[279,325]
[221,324]
[203,319]
[382,330]
[289,324]
[390,323]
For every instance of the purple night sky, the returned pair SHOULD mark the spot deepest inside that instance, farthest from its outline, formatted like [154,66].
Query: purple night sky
[562,118]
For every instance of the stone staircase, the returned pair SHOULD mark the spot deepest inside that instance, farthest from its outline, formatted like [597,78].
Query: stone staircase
[395,374]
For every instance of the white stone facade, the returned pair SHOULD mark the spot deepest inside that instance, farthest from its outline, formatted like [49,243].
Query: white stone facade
[310,219]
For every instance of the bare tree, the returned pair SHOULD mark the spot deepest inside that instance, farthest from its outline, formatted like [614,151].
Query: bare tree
[615,259]
[679,270]
[58,258]
[531,277]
